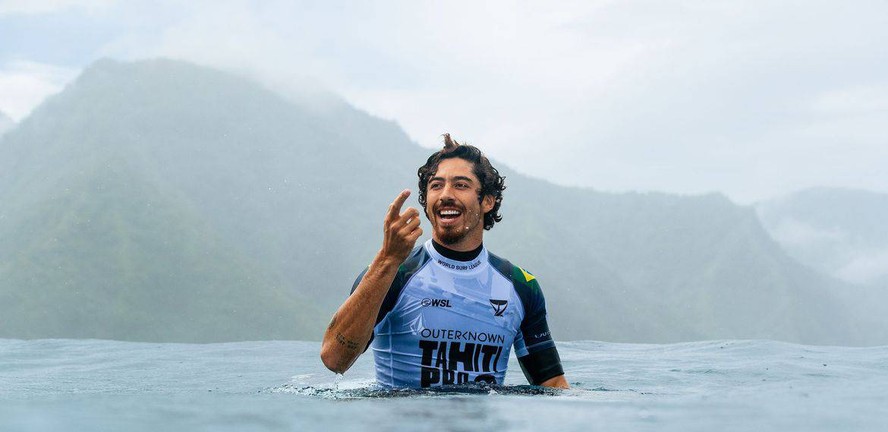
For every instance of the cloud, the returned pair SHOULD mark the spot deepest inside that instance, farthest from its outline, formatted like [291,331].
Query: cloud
[800,235]
[754,99]
[23,85]
[835,250]
[38,7]
[867,267]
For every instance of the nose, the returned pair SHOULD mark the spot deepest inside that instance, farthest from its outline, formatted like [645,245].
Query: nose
[447,194]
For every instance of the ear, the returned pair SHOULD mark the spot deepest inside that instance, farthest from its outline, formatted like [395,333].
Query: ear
[487,203]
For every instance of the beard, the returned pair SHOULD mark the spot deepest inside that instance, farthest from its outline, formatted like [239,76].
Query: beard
[454,234]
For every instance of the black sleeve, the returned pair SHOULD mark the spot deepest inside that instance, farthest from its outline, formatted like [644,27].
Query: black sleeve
[540,366]
[535,347]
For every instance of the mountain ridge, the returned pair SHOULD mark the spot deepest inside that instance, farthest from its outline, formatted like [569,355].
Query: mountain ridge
[292,200]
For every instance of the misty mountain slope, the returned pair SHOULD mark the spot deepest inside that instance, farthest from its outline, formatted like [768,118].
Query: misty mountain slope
[839,231]
[6,124]
[258,168]
[750,271]
[196,146]
[144,267]
[674,268]
[264,203]
[274,178]
[585,299]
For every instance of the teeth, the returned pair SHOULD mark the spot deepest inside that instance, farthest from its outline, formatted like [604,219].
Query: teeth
[449,213]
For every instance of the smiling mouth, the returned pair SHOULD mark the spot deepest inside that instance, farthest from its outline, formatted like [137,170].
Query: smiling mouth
[447,215]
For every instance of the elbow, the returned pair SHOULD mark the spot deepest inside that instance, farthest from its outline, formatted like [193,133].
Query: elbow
[331,360]
[556,382]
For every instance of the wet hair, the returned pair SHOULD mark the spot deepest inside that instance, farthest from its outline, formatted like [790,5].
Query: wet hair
[492,183]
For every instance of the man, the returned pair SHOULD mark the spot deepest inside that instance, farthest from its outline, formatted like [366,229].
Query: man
[446,312]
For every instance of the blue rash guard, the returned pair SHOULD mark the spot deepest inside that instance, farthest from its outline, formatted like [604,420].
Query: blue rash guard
[446,322]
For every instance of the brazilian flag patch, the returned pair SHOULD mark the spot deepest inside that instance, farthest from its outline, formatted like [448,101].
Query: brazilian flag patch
[527,276]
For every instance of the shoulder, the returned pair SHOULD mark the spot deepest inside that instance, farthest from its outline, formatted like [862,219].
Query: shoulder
[526,285]
[414,262]
[522,278]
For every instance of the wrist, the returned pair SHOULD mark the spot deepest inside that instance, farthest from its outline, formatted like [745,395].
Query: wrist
[386,262]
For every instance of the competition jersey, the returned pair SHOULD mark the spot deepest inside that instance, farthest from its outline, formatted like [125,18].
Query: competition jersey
[447,322]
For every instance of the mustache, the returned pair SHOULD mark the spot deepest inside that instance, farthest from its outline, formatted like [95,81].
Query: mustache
[448,202]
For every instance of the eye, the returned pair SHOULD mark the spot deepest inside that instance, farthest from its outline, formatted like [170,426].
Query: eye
[435,185]
[461,185]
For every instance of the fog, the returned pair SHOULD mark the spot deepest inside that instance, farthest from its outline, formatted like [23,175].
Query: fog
[210,161]
[751,99]
[6,123]
[838,231]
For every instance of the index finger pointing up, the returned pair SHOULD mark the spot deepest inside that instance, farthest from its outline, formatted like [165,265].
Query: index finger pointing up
[395,208]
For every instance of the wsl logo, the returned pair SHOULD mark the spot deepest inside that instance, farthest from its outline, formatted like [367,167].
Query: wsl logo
[499,306]
[426,302]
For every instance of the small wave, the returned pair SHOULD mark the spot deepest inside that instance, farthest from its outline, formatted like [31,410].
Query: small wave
[375,392]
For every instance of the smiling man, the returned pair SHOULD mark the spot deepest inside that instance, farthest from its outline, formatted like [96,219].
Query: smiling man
[446,312]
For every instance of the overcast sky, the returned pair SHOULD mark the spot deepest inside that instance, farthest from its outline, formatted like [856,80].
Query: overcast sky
[750,98]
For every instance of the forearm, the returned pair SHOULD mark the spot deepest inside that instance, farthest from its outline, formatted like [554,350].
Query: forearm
[352,324]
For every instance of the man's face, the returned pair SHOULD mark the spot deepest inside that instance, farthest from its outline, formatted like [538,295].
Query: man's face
[452,205]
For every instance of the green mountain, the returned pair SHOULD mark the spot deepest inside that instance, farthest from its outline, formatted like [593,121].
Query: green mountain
[661,268]
[164,201]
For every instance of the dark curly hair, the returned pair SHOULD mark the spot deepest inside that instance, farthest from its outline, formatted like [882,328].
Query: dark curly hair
[492,183]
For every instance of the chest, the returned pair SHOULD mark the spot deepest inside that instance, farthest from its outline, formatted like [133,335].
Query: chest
[441,305]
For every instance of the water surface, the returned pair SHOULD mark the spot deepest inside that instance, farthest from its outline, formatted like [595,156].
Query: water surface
[724,385]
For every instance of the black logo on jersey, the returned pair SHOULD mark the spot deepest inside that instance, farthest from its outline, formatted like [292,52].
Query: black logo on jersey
[499,306]
[426,302]
[446,363]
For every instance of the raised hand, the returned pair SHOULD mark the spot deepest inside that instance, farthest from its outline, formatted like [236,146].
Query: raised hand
[400,230]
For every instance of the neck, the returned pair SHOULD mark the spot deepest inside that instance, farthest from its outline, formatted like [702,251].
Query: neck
[457,255]
[471,241]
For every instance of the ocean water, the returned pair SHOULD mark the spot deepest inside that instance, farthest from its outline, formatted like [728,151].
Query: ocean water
[95,385]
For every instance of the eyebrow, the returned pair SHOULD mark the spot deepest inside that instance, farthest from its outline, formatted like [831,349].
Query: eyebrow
[464,178]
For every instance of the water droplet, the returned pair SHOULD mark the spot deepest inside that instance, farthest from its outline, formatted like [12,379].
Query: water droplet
[336,380]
